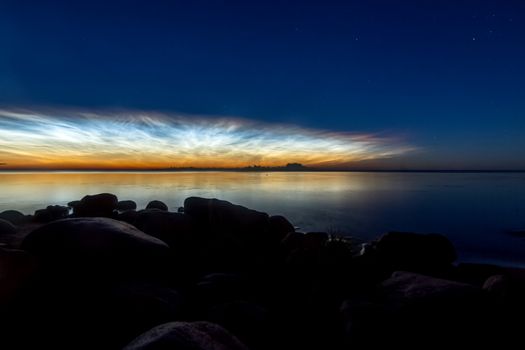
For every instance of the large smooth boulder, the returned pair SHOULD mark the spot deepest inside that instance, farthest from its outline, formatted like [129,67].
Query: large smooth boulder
[51,213]
[279,227]
[126,205]
[424,253]
[97,245]
[7,228]
[102,205]
[220,215]
[188,336]
[13,216]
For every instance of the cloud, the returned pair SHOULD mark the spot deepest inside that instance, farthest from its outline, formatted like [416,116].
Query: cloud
[137,139]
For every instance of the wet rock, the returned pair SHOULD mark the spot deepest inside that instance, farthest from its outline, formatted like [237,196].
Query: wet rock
[187,335]
[7,228]
[126,205]
[157,205]
[98,205]
[98,246]
[13,216]
[51,213]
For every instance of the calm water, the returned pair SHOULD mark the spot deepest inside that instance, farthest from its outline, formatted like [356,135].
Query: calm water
[473,209]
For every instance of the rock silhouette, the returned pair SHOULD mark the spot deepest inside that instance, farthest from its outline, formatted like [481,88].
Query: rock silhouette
[222,276]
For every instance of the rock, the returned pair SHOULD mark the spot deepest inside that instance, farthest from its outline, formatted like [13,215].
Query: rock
[173,228]
[315,240]
[17,271]
[425,253]
[98,205]
[433,308]
[220,215]
[51,213]
[136,308]
[497,286]
[73,204]
[187,335]
[126,205]
[7,228]
[128,216]
[408,287]
[249,321]
[98,246]
[157,205]
[218,288]
[476,274]
[279,227]
[13,216]
[362,320]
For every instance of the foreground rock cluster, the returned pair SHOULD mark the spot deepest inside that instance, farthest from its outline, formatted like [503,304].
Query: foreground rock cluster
[100,274]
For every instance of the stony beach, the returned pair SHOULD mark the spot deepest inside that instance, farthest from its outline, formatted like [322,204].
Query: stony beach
[102,274]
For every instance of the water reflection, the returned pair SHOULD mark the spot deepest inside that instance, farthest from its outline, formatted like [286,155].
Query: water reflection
[473,210]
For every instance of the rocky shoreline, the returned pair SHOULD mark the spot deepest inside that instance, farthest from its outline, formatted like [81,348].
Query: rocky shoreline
[100,274]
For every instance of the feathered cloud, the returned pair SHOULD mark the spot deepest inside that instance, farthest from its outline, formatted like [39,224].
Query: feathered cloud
[86,139]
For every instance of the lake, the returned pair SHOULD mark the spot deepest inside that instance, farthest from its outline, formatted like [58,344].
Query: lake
[474,210]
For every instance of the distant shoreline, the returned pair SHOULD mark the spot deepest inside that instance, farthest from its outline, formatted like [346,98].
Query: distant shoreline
[249,171]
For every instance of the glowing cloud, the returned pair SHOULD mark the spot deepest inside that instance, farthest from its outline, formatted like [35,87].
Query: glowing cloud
[139,140]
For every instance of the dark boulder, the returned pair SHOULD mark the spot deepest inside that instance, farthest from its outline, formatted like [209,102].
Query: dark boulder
[219,215]
[424,253]
[128,216]
[157,205]
[187,335]
[13,216]
[173,228]
[51,213]
[100,246]
[7,228]
[249,321]
[434,308]
[73,204]
[102,205]
[279,227]
[17,271]
[126,205]
[217,288]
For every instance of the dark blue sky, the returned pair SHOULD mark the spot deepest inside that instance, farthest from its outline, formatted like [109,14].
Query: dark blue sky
[448,76]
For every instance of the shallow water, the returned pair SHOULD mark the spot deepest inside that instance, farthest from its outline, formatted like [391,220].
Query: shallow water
[472,209]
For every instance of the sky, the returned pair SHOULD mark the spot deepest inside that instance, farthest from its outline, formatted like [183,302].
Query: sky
[352,84]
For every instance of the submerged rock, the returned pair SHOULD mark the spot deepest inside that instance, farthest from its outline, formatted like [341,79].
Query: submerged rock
[96,245]
[102,205]
[157,205]
[187,335]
